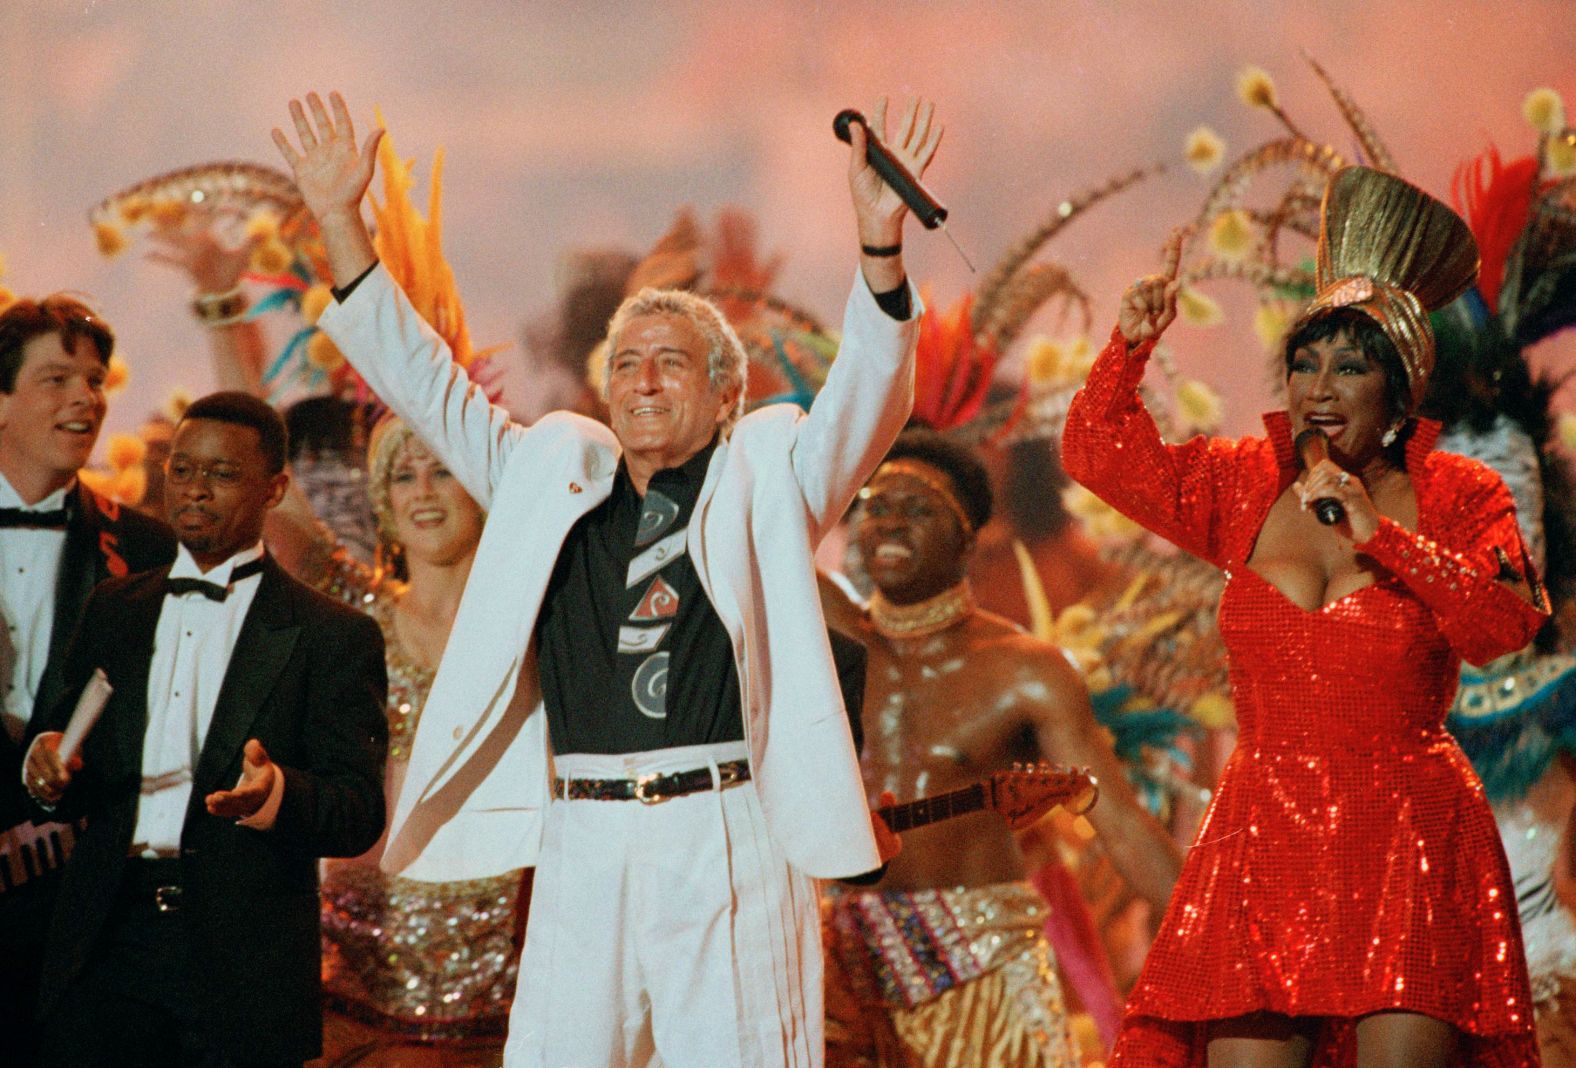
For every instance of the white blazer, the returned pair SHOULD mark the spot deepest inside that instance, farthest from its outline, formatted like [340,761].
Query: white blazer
[479,775]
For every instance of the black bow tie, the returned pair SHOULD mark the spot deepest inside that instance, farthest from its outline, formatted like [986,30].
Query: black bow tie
[180,587]
[25,517]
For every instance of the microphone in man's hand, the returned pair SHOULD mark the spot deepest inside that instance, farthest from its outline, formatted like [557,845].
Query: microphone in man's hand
[1313,448]
[926,208]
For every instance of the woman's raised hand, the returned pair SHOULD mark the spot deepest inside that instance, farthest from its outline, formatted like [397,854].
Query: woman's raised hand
[1150,304]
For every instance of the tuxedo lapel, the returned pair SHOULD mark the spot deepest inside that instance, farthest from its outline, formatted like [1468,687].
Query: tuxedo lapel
[79,573]
[127,658]
[267,638]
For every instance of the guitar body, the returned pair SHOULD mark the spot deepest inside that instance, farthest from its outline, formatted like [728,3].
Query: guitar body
[1021,796]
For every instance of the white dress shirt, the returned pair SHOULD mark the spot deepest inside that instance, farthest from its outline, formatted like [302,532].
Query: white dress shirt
[192,645]
[29,570]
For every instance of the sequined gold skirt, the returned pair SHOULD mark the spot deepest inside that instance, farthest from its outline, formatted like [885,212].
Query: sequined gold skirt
[434,961]
[943,977]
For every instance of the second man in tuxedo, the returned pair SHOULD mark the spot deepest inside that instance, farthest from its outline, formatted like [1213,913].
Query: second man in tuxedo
[58,540]
[244,739]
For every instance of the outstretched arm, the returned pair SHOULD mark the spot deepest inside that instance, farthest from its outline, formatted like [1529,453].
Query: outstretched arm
[870,388]
[215,261]
[1068,733]
[401,357]
[1112,446]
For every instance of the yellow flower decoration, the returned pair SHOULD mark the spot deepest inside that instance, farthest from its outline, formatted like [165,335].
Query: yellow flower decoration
[596,367]
[1214,711]
[1080,357]
[1231,235]
[134,209]
[1199,309]
[116,374]
[1562,156]
[168,213]
[1079,634]
[176,406]
[1204,150]
[111,242]
[1099,519]
[100,482]
[322,353]
[272,257]
[1199,405]
[130,486]
[262,226]
[1565,427]
[1544,111]
[315,301]
[1271,322]
[125,450]
[1044,360]
[1256,88]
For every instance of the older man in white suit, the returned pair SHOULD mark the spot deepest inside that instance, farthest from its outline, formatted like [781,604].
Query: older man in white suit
[638,695]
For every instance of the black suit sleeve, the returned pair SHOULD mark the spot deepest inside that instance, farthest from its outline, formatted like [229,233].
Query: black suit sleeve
[852,660]
[850,657]
[334,807]
[83,654]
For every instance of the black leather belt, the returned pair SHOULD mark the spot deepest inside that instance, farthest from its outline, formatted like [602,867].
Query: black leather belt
[153,880]
[649,789]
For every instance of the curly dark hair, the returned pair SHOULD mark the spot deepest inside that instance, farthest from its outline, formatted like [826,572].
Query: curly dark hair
[1370,337]
[957,461]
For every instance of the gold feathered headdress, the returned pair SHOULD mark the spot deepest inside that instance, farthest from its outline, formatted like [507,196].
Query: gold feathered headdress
[1394,253]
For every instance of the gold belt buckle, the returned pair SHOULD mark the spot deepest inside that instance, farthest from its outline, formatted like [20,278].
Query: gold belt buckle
[167,898]
[643,781]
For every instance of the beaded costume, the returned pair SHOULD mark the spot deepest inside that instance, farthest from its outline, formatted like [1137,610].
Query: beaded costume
[963,976]
[424,960]
[1349,862]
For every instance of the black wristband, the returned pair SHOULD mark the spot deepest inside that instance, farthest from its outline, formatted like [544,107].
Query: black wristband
[881,251]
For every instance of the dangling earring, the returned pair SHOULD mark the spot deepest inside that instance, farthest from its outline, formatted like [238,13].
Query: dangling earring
[1387,439]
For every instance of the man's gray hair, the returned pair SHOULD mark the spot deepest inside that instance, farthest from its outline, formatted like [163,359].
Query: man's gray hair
[726,358]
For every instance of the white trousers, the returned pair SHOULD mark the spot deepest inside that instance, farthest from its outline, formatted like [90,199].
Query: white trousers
[672,935]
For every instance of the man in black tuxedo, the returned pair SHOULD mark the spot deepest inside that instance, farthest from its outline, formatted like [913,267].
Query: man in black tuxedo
[244,739]
[58,540]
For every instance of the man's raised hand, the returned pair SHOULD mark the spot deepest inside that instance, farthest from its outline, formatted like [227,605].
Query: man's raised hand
[913,143]
[332,174]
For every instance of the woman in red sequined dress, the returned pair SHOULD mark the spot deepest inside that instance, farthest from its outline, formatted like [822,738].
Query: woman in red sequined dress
[1347,900]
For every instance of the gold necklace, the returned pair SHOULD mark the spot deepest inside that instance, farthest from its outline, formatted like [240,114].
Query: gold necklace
[924,617]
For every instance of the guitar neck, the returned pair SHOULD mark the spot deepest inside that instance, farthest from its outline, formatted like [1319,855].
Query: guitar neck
[910,814]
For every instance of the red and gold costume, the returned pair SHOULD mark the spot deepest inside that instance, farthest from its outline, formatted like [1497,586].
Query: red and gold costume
[1349,863]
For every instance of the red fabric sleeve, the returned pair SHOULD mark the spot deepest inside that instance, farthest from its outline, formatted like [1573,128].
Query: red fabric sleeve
[1112,446]
[1457,575]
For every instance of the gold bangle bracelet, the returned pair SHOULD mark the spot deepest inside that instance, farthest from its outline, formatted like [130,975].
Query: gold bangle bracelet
[220,309]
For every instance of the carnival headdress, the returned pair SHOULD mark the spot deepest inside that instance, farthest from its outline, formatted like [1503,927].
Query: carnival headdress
[1394,253]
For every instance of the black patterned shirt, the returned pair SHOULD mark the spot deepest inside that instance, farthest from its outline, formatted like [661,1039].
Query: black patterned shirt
[631,652]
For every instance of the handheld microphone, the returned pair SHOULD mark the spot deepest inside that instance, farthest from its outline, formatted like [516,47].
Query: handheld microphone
[926,208]
[1313,448]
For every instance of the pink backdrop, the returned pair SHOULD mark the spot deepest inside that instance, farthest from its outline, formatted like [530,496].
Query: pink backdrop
[591,122]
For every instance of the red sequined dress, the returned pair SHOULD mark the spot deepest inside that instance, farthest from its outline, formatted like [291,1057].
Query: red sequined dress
[1349,862]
